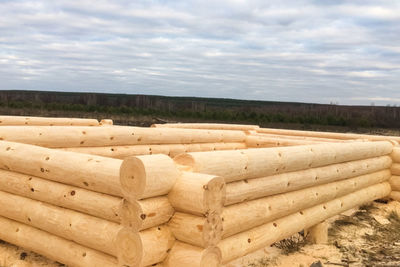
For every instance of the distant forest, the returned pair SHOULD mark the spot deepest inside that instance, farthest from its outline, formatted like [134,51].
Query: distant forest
[204,109]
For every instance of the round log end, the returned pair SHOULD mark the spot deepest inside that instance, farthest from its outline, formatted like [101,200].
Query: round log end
[132,178]
[211,257]
[129,248]
[185,159]
[215,194]
[130,213]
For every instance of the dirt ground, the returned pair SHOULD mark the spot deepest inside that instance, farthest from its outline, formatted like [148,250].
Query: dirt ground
[368,237]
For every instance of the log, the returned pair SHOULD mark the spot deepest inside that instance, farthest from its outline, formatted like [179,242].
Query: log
[86,171]
[149,247]
[318,234]
[45,121]
[307,138]
[198,194]
[396,154]
[249,189]
[51,246]
[209,126]
[395,195]
[71,197]
[246,242]
[83,229]
[147,176]
[80,136]
[395,183]
[199,231]
[259,141]
[253,163]
[121,152]
[240,217]
[106,122]
[396,169]
[147,213]
[184,255]
[344,136]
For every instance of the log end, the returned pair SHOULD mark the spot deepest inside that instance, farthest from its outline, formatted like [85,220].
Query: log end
[186,160]
[211,257]
[129,248]
[132,178]
[130,213]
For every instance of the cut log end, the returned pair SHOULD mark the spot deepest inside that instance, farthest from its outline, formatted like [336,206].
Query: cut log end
[211,257]
[131,214]
[132,178]
[186,160]
[215,194]
[129,248]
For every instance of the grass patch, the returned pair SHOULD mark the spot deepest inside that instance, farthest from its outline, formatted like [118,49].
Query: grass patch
[291,244]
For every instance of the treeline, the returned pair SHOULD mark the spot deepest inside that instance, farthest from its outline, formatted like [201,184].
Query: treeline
[204,109]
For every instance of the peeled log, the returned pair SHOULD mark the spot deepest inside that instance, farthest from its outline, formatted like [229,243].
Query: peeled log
[83,229]
[171,150]
[43,121]
[75,198]
[147,213]
[246,242]
[395,195]
[253,163]
[246,215]
[210,126]
[249,189]
[106,122]
[197,193]
[396,154]
[51,246]
[79,136]
[184,255]
[292,137]
[147,176]
[395,183]
[145,248]
[87,171]
[345,136]
[261,141]
[199,231]
[396,169]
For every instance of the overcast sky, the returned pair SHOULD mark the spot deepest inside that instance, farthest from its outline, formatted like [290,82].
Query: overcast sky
[347,52]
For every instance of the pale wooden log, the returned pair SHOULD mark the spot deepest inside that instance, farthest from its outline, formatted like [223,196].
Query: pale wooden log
[198,194]
[249,189]
[184,255]
[395,183]
[121,152]
[246,215]
[145,248]
[91,172]
[345,136]
[307,138]
[252,163]
[318,234]
[51,246]
[83,229]
[147,176]
[62,136]
[264,235]
[395,195]
[396,154]
[46,121]
[209,126]
[396,169]
[259,141]
[199,231]
[71,197]
[147,213]
[106,122]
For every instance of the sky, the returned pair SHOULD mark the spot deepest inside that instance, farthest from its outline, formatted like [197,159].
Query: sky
[332,51]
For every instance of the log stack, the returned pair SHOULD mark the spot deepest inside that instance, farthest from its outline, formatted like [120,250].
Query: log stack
[203,208]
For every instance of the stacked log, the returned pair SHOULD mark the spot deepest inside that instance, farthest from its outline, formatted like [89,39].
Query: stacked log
[268,188]
[395,179]
[43,121]
[209,126]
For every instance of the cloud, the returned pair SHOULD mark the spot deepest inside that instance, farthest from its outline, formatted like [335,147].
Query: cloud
[306,50]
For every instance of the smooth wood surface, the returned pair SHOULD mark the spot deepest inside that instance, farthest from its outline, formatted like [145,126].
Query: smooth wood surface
[81,136]
[121,152]
[240,217]
[46,121]
[202,231]
[395,169]
[252,163]
[210,126]
[249,189]
[198,194]
[147,176]
[396,154]
[51,246]
[62,195]
[395,183]
[185,255]
[395,195]
[91,172]
[147,213]
[318,234]
[246,242]
[261,141]
[83,229]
